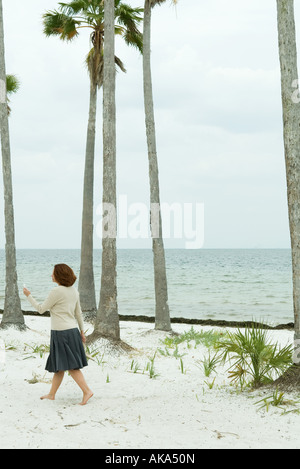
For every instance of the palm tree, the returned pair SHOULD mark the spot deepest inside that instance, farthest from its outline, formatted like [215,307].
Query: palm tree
[66,23]
[291,122]
[162,313]
[107,321]
[12,314]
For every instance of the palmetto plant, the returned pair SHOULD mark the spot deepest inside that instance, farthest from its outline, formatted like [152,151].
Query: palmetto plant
[66,23]
[254,356]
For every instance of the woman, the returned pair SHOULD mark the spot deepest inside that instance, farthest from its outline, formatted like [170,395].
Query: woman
[66,348]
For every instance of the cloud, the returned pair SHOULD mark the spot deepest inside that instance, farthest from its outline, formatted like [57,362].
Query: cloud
[218,114]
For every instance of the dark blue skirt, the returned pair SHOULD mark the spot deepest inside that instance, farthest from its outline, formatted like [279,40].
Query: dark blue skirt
[66,351]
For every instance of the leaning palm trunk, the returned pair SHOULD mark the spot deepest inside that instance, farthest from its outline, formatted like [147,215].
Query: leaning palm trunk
[12,314]
[162,314]
[291,120]
[86,277]
[107,320]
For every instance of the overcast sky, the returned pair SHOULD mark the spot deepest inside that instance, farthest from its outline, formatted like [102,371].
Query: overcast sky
[216,83]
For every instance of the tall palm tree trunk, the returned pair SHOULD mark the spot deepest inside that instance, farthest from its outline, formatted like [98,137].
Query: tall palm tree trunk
[291,121]
[86,277]
[107,320]
[162,313]
[12,314]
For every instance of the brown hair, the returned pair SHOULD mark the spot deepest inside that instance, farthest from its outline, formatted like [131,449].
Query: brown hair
[64,275]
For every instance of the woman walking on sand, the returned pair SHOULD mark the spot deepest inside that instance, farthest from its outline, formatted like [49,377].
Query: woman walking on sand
[66,348]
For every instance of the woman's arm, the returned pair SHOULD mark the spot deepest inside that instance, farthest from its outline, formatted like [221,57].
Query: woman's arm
[78,315]
[46,306]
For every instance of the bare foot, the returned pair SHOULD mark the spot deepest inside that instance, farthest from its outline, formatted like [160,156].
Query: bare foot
[86,398]
[49,397]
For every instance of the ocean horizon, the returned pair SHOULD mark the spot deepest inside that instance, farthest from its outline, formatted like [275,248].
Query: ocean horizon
[218,284]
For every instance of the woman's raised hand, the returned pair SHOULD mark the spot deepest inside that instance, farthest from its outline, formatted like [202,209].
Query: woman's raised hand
[26,291]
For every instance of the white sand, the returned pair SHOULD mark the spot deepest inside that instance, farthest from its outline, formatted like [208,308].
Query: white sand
[132,411]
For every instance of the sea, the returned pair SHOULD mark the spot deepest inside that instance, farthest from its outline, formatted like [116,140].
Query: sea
[217,284]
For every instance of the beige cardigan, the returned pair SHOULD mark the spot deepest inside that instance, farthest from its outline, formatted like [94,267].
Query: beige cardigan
[64,306]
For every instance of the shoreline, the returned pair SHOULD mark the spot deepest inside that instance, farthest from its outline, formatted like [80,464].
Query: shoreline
[180,320]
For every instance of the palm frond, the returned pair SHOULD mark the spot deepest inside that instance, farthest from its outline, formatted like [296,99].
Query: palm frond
[74,7]
[94,63]
[128,19]
[128,15]
[91,9]
[253,354]
[120,64]
[12,84]
[119,30]
[59,24]
[159,2]
[134,38]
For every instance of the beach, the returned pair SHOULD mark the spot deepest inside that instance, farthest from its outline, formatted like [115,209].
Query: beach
[179,408]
